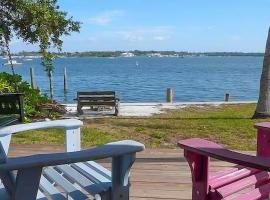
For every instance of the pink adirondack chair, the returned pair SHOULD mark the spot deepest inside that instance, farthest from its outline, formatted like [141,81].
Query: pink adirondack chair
[249,170]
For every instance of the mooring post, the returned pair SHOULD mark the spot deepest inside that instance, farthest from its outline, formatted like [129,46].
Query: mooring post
[65,79]
[227,97]
[32,76]
[169,95]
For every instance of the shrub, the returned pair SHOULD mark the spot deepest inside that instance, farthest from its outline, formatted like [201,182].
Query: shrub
[5,87]
[35,102]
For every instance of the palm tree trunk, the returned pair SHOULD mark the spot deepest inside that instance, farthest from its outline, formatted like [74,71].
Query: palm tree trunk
[263,106]
[51,85]
[10,62]
[9,56]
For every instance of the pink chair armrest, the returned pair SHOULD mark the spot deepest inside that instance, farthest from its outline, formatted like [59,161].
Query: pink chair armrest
[211,149]
[262,125]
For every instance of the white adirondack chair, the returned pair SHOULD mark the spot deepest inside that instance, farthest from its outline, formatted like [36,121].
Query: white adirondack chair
[69,175]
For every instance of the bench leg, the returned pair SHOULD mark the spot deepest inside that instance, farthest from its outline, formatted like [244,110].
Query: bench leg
[117,109]
[199,171]
[79,110]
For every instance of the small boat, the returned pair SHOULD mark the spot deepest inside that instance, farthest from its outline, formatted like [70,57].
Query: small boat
[137,63]
[13,62]
[28,59]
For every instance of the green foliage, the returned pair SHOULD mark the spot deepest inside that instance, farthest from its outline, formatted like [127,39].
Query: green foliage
[32,96]
[224,124]
[230,125]
[47,62]
[35,103]
[5,87]
[35,21]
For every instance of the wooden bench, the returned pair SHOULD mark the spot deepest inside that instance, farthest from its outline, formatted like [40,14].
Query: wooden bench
[11,108]
[97,99]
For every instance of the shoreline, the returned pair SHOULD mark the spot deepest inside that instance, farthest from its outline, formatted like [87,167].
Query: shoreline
[146,109]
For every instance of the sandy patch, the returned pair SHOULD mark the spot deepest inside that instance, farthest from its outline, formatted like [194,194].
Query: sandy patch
[143,109]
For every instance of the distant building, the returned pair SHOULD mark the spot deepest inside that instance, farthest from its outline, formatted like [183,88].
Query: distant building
[127,54]
[154,55]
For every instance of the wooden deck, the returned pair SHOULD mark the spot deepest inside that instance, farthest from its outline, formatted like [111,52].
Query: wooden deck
[157,173]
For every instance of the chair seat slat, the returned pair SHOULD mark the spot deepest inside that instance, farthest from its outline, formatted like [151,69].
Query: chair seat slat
[48,188]
[218,174]
[100,169]
[69,188]
[259,193]
[243,183]
[91,174]
[81,180]
[231,177]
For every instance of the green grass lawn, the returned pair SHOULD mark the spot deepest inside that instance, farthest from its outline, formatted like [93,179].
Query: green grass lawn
[230,125]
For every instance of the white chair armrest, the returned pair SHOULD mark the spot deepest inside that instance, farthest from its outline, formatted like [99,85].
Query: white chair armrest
[71,127]
[66,124]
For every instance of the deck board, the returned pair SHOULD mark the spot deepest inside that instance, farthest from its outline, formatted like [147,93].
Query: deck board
[157,174]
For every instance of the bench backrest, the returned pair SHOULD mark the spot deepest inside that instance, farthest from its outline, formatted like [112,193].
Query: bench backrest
[12,103]
[97,98]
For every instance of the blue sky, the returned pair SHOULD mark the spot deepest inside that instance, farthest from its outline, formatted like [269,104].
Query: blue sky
[181,25]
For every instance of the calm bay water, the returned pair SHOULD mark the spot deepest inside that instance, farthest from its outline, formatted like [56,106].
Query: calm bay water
[192,78]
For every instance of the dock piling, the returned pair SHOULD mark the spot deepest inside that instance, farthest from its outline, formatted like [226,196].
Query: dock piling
[169,95]
[51,84]
[65,79]
[227,97]
[32,76]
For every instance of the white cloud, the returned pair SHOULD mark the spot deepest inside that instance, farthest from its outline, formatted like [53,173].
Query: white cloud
[137,34]
[132,37]
[161,38]
[106,17]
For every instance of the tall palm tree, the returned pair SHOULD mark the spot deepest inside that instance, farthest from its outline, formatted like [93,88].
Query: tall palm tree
[263,106]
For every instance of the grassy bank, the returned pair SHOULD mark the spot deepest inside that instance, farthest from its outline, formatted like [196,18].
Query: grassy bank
[230,125]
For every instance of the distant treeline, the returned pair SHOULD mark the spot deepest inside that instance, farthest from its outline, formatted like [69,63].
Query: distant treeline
[139,53]
[230,54]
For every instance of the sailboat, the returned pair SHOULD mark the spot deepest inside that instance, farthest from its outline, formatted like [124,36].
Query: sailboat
[137,63]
